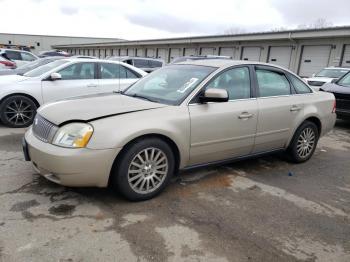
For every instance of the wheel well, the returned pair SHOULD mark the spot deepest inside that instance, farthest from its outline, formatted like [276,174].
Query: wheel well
[317,122]
[166,139]
[21,94]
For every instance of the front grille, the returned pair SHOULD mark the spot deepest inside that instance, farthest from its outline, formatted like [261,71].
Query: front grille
[315,83]
[343,100]
[43,129]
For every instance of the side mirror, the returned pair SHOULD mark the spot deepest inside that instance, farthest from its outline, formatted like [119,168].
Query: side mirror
[214,95]
[313,75]
[55,76]
[334,80]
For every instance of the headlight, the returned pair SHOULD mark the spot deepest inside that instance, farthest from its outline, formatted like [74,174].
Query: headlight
[75,135]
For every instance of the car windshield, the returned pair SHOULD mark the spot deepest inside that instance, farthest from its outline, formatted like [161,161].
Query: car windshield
[32,65]
[170,85]
[45,68]
[332,73]
[345,81]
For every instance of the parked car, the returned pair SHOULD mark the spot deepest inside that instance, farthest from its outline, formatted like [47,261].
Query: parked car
[61,79]
[198,57]
[20,57]
[30,66]
[54,53]
[326,76]
[6,64]
[341,90]
[144,63]
[180,116]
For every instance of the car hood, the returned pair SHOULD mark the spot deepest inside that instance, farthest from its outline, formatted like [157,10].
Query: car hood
[7,79]
[89,108]
[334,88]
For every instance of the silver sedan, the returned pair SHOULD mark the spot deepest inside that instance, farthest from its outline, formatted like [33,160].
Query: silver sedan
[181,116]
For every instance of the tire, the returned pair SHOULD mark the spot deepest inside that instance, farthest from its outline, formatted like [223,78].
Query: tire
[17,111]
[132,174]
[304,142]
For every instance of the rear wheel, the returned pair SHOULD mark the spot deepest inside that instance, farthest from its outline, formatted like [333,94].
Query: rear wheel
[144,169]
[18,111]
[304,142]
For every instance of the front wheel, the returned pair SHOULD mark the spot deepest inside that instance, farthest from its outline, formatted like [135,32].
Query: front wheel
[304,142]
[17,111]
[144,169]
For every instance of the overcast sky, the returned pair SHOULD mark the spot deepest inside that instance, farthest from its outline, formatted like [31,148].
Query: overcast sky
[147,19]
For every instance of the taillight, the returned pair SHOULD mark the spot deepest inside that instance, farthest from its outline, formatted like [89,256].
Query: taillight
[334,106]
[8,63]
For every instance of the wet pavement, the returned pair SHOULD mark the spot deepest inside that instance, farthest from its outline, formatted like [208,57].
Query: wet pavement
[263,209]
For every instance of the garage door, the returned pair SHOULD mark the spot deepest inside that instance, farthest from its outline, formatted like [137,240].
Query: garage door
[346,57]
[150,52]
[314,59]
[96,53]
[280,55]
[139,52]
[190,51]
[227,51]
[123,52]
[251,53]
[174,52]
[131,52]
[162,54]
[207,51]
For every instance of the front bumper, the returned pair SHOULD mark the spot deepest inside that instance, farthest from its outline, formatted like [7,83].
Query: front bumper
[81,167]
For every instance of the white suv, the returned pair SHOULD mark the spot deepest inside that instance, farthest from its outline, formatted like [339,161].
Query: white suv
[20,57]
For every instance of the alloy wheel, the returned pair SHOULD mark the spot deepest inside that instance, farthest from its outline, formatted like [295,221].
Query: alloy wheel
[148,170]
[306,142]
[19,112]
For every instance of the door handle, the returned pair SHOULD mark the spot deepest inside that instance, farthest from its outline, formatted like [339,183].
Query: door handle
[91,85]
[295,108]
[245,115]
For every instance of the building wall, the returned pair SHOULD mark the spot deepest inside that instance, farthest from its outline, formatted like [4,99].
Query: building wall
[296,51]
[44,43]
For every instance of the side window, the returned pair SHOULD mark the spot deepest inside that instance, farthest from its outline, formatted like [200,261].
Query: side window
[141,63]
[236,81]
[300,86]
[27,57]
[78,71]
[13,55]
[272,83]
[131,74]
[155,64]
[112,71]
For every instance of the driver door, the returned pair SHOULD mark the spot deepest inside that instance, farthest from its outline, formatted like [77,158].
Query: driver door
[223,130]
[78,79]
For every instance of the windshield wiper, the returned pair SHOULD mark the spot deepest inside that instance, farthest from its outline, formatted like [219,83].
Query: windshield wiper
[142,97]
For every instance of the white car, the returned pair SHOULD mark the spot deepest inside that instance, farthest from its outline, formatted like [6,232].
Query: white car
[20,96]
[326,75]
[20,57]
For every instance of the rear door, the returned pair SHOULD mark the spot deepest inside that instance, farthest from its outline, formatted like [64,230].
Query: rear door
[77,79]
[279,109]
[227,129]
[115,77]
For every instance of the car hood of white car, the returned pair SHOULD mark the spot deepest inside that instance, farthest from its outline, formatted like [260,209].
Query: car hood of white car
[320,79]
[93,107]
[8,79]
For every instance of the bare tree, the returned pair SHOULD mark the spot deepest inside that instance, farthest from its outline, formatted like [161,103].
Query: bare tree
[234,31]
[318,23]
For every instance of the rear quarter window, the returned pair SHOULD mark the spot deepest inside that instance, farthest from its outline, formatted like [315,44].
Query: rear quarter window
[299,86]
